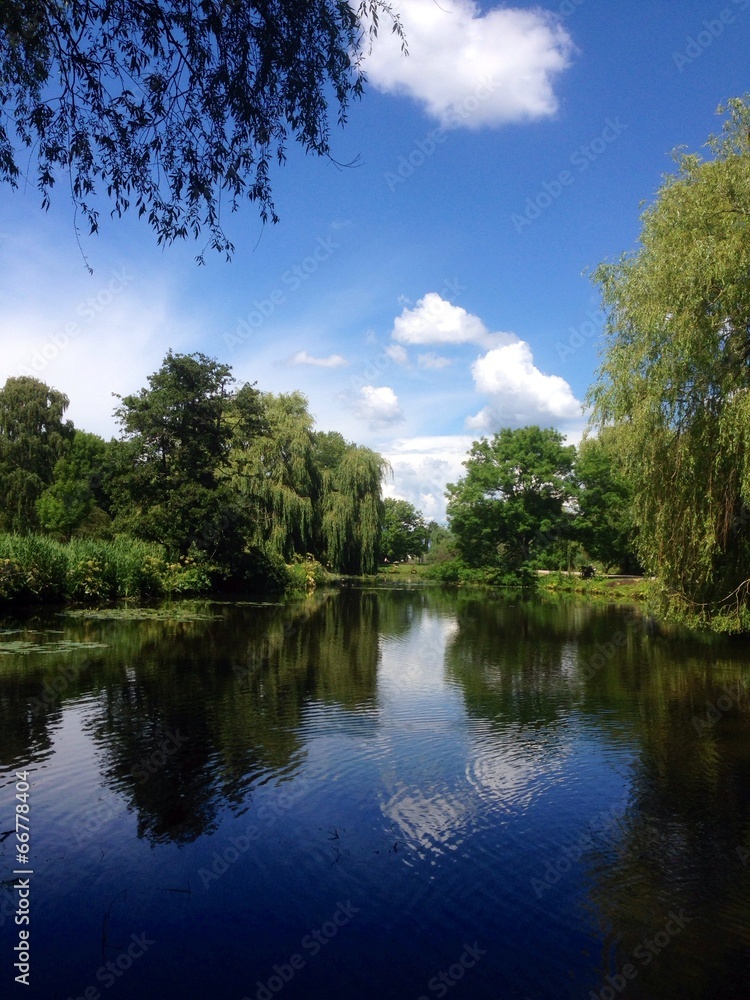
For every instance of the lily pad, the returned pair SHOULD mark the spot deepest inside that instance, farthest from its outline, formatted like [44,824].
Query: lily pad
[24,646]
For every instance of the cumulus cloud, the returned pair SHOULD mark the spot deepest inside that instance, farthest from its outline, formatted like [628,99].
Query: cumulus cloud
[519,392]
[432,360]
[379,406]
[332,361]
[470,69]
[435,321]
[397,353]
[421,468]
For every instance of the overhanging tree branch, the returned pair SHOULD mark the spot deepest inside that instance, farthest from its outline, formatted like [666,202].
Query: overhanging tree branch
[171,102]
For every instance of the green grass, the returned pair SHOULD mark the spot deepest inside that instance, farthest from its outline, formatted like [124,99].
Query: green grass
[612,588]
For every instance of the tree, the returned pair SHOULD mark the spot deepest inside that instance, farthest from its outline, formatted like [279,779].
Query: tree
[166,484]
[441,545]
[604,522]
[273,472]
[675,378]
[513,498]
[33,436]
[404,530]
[76,491]
[174,104]
[352,510]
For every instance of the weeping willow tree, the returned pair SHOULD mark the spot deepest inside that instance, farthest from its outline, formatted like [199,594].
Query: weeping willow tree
[272,470]
[352,508]
[675,378]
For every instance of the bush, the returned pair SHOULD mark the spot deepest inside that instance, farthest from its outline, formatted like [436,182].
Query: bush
[305,575]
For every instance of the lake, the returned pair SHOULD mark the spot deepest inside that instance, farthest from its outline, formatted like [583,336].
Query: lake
[373,793]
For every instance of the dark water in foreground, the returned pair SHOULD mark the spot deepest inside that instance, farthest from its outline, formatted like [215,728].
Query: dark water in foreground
[376,794]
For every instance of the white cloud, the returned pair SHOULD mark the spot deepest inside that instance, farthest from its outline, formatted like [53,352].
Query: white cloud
[92,344]
[432,360]
[519,393]
[470,69]
[421,468]
[379,406]
[332,361]
[397,353]
[435,321]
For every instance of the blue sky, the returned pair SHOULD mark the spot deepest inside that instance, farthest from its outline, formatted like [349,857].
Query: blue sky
[438,289]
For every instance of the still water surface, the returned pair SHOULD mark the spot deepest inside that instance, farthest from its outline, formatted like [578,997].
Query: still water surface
[391,794]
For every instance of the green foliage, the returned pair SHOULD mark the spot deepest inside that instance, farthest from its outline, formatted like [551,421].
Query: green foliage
[404,530]
[513,498]
[604,523]
[33,437]
[273,473]
[32,568]
[76,486]
[38,568]
[220,486]
[675,376]
[455,572]
[306,575]
[352,511]
[171,105]
[179,421]
[165,480]
[441,545]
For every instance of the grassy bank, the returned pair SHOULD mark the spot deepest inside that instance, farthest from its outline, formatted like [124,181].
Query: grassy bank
[613,588]
[38,569]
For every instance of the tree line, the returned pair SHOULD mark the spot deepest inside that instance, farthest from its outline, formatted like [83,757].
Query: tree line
[224,475]
[235,484]
[528,501]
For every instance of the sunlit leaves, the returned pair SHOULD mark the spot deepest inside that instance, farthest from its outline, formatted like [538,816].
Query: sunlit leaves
[676,372]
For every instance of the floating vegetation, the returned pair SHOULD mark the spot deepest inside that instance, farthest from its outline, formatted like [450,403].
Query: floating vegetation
[23,646]
[176,614]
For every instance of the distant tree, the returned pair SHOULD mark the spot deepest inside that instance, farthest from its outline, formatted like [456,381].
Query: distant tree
[166,483]
[33,436]
[604,522]
[352,510]
[404,530]
[76,489]
[441,545]
[272,471]
[675,379]
[174,104]
[513,498]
